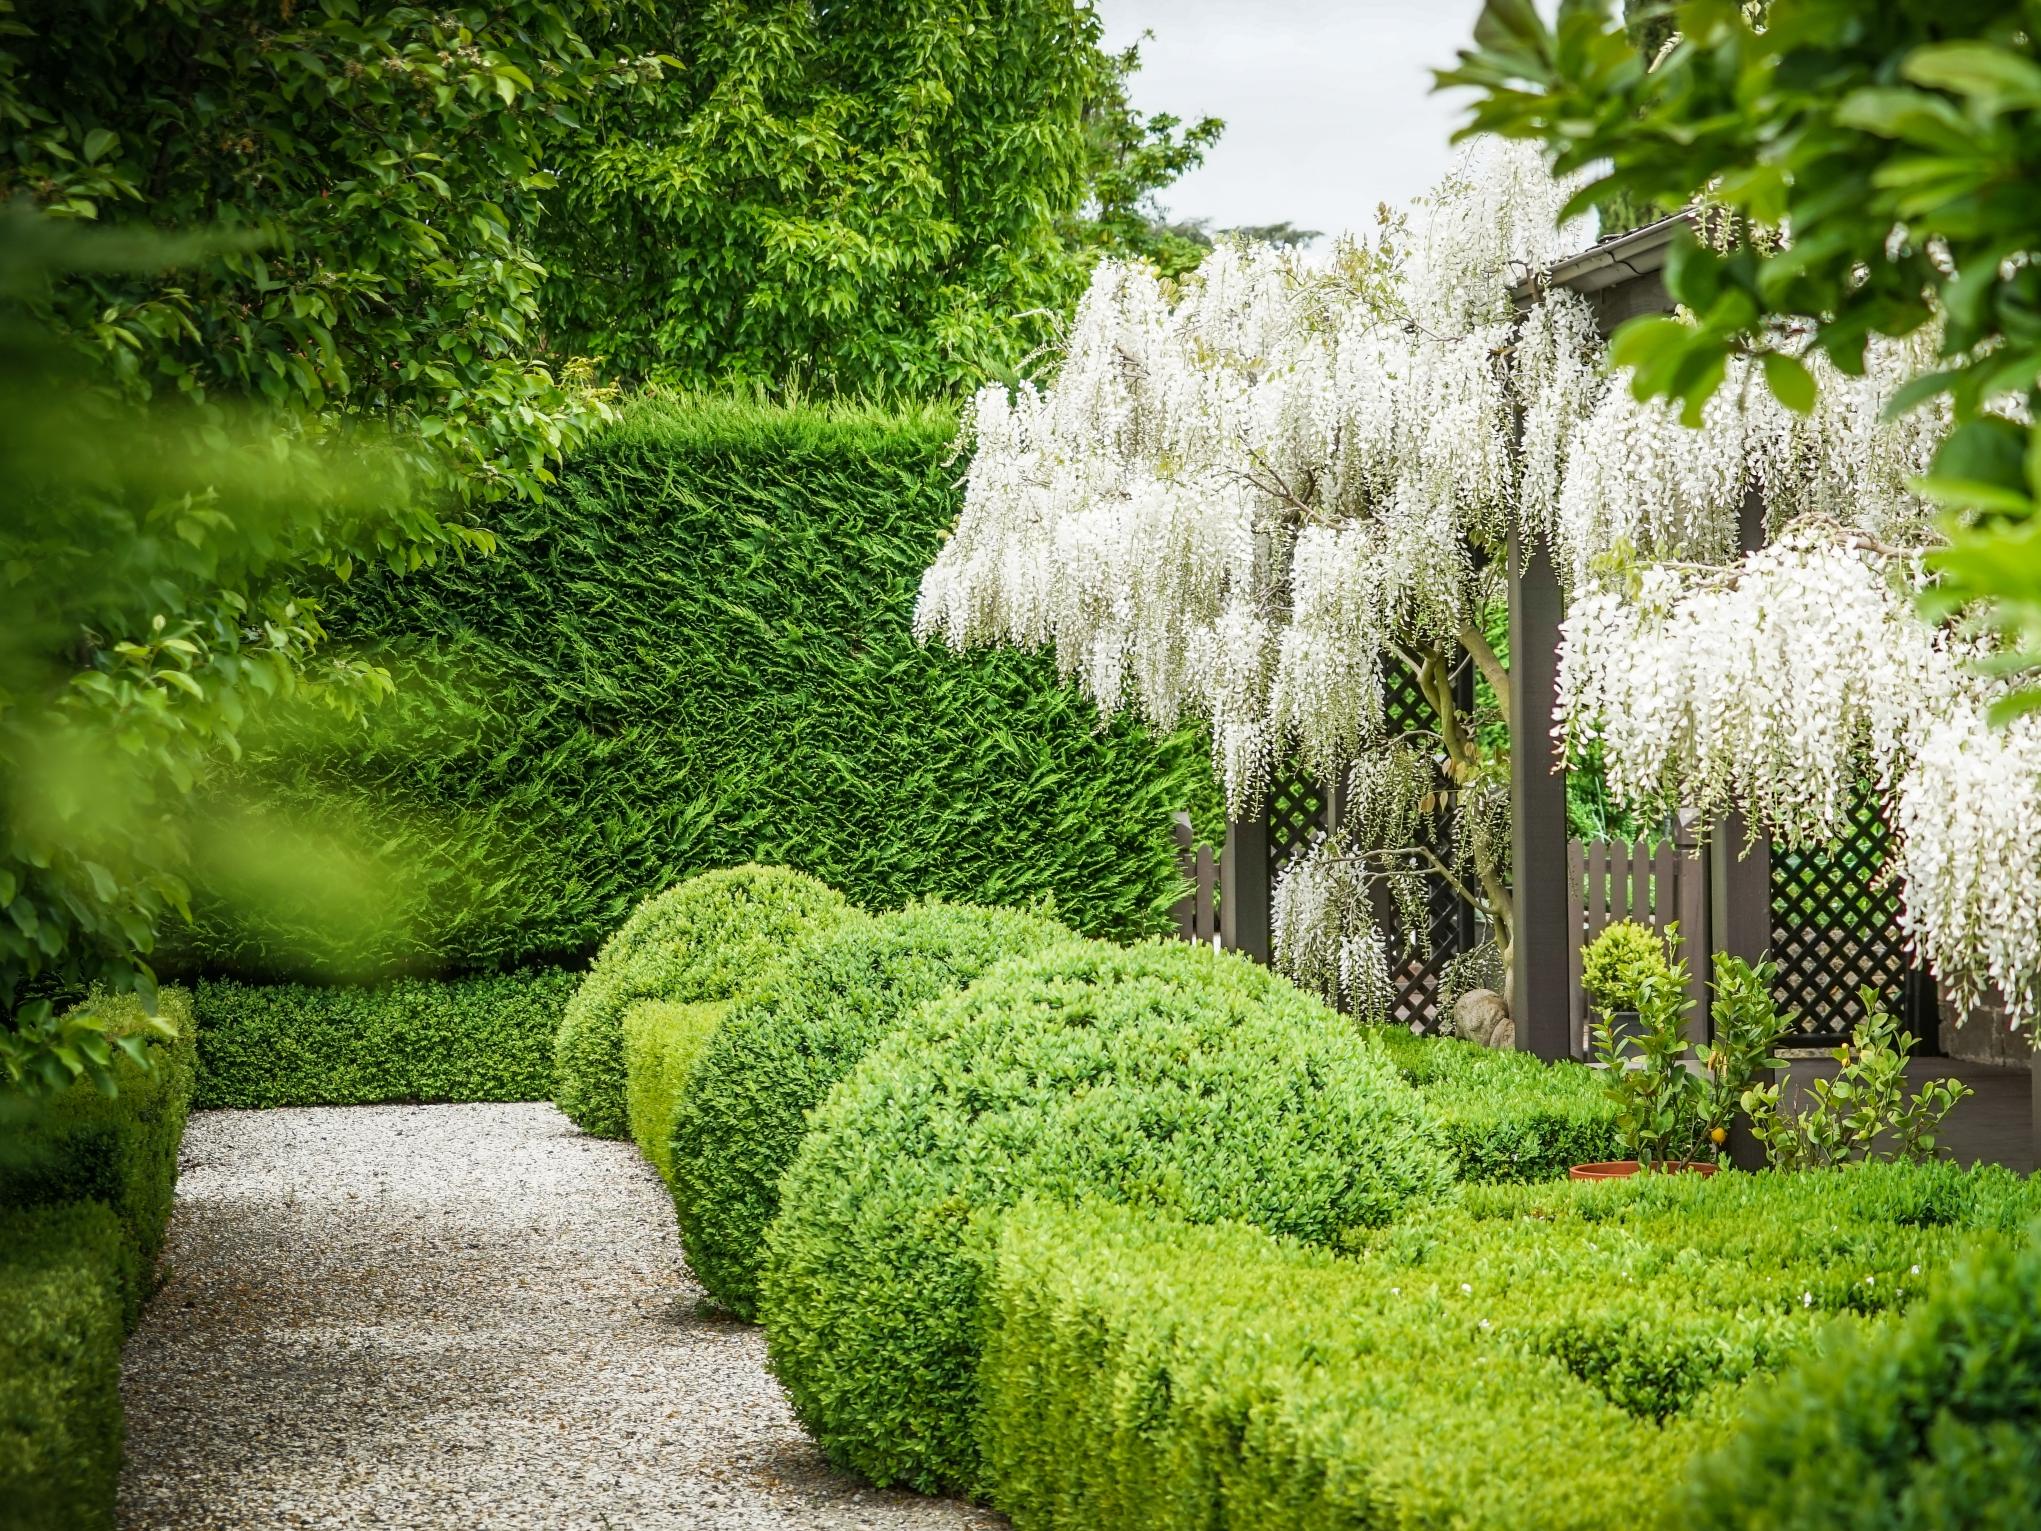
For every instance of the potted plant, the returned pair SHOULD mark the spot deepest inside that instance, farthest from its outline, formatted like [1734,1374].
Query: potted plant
[1660,1102]
[1614,966]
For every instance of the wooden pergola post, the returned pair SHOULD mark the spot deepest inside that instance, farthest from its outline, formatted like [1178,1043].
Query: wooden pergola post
[1621,277]
[1541,967]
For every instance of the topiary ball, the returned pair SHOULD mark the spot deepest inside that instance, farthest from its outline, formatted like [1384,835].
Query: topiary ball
[744,1108]
[1165,1075]
[707,938]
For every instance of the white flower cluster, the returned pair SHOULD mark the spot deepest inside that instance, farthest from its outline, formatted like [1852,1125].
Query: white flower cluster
[1240,494]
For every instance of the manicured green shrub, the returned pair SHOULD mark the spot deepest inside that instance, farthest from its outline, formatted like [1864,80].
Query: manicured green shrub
[1165,1075]
[1539,1357]
[1934,1423]
[704,939]
[663,1045]
[64,1271]
[412,1039]
[1506,1115]
[745,1111]
[698,653]
[82,1145]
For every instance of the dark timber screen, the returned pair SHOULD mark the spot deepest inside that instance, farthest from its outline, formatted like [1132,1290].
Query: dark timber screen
[1835,932]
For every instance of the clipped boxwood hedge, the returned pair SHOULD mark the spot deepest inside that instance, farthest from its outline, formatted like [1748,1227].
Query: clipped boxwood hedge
[1506,1115]
[1541,1358]
[745,1110]
[663,1044]
[698,652]
[1933,1424]
[414,1039]
[704,939]
[1164,1075]
[65,1272]
[121,1149]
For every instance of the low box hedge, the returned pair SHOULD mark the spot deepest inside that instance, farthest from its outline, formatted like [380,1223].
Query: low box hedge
[1506,1115]
[663,1042]
[121,1150]
[1541,1357]
[487,1038]
[65,1275]
[1165,1075]
[834,998]
[703,939]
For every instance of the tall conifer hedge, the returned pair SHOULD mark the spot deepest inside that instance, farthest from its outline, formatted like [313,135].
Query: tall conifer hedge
[696,653]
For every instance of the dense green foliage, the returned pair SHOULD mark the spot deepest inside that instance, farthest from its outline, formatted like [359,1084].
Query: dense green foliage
[61,1284]
[837,995]
[484,1038]
[706,939]
[1897,142]
[1505,1115]
[311,222]
[699,654]
[878,199]
[86,1144]
[86,1179]
[1545,1358]
[1936,1423]
[663,1045]
[1164,1075]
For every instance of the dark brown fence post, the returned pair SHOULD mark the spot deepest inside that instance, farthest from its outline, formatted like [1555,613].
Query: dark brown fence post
[1244,887]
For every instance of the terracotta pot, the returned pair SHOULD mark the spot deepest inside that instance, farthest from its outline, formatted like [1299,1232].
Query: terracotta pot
[1623,1169]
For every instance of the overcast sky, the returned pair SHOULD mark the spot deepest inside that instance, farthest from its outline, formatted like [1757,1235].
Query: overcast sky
[1328,103]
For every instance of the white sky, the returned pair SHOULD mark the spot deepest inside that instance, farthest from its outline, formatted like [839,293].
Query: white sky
[1328,103]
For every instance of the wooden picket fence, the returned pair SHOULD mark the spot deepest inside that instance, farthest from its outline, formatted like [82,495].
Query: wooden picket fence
[1656,885]
[1197,912]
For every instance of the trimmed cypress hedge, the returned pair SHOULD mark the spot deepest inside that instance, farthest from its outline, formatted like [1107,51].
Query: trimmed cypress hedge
[64,1274]
[121,1149]
[697,653]
[746,1106]
[663,1045]
[1165,1075]
[1506,1115]
[413,1039]
[1544,1358]
[705,939]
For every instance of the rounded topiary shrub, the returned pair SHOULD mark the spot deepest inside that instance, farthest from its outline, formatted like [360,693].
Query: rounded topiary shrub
[1934,1422]
[1164,1075]
[744,1108]
[703,939]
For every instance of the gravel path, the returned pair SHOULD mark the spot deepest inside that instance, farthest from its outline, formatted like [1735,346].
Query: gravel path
[453,1316]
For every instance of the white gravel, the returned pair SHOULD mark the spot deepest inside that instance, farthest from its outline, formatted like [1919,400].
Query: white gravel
[453,1316]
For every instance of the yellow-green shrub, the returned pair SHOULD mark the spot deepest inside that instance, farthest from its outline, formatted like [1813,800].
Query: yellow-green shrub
[663,1042]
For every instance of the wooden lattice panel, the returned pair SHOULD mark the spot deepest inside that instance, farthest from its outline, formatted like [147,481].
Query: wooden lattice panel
[1298,815]
[1835,927]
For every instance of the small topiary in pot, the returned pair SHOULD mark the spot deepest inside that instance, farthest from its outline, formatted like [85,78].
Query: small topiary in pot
[745,1106]
[704,939]
[1164,1075]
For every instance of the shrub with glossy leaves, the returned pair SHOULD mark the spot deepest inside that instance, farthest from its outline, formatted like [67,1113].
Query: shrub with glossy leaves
[1163,1075]
[707,938]
[663,1044]
[745,1109]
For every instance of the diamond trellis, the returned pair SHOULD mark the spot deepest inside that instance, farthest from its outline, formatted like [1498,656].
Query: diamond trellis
[1301,809]
[1835,927]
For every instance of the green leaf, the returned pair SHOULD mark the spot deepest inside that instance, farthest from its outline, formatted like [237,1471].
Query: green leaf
[1790,381]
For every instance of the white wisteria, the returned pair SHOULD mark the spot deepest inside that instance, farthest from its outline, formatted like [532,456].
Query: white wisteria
[1258,497]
